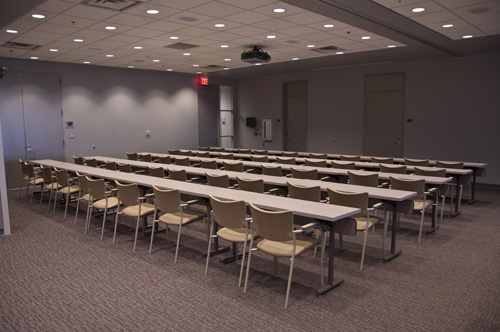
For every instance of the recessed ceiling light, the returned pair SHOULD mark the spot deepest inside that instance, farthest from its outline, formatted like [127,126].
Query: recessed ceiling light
[109,27]
[131,66]
[271,37]
[186,53]
[34,57]
[109,55]
[311,46]
[53,50]
[447,25]
[224,46]
[156,60]
[78,40]
[279,10]
[11,31]
[328,25]
[38,16]
[169,69]
[295,59]
[391,46]
[174,37]
[258,64]
[219,25]
[152,11]
[226,68]
[467,36]
[86,62]
[418,9]
[366,37]
[138,47]
[340,52]
[227,59]
[195,65]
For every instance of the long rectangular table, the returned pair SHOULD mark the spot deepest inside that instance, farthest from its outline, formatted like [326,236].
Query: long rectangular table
[327,213]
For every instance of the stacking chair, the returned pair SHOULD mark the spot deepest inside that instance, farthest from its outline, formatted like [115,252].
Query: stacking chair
[78,160]
[125,168]
[24,176]
[310,174]
[146,158]
[182,161]
[316,163]
[34,179]
[158,172]
[416,162]
[419,202]
[383,160]
[231,216]
[285,160]
[343,164]
[260,158]
[132,156]
[280,239]
[261,152]
[364,220]
[210,163]
[135,206]
[203,154]
[228,156]
[272,170]
[219,149]
[245,151]
[174,152]
[178,175]
[367,180]
[346,157]
[289,154]
[49,183]
[101,198]
[65,188]
[399,169]
[464,180]
[256,186]
[185,152]
[91,162]
[221,181]
[173,213]
[233,166]
[111,165]
[442,190]
[164,160]
[306,193]
[203,148]
[83,195]
[318,155]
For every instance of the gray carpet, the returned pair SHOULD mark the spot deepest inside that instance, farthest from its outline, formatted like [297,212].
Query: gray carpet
[55,278]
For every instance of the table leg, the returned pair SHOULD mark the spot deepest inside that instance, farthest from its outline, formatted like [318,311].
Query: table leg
[473,194]
[458,197]
[434,214]
[394,253]
[331,282]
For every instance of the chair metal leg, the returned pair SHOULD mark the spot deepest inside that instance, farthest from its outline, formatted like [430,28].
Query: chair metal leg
[116,225]
[136,230]
[178,241]
[292,260]
[210,247]
[103,221]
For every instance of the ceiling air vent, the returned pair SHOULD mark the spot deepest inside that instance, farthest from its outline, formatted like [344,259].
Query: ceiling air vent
[212,67]
[188,19]
[20,46]
[327,49]
[479,10]
[181,46]
[116,5]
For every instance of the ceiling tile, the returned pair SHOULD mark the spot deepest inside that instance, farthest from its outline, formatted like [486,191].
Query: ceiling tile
[180,4]
[142,32]
[251,4]
[163,25]
[131,20]
[90,12]
[249,17]
[55,6]
[216,9]
[72,21]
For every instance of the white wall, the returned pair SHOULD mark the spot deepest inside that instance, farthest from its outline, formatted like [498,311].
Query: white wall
[454,104]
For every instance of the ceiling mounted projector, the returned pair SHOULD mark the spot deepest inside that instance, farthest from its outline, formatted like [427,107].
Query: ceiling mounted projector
[255,55]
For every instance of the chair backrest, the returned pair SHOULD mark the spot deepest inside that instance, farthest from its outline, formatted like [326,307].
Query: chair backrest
[272,225]
[400,169]
[91,162]
[186,152]
[289,154]
[417,162]
[178,175]
[449,164]
[146,157]
[83,183]
[310,174]
[78,160]
[203,154]
[256,186]
[132,155]
[128,194]
[246,151]
[440,172]
[259,158]
[355,200]
[221,181]
[111,165]
[24,169]
[318,155]
[125,168]
[61,177]
[203,148]
[174,152]
[30,170]
[182,161]
[343,164]
[272,170]
[233,167]
[158,172]
[46,174]
[368,180]
[385,160]
[347,157]
[302,192]
[167,201]
[219,149]
[228,156]
[210,163]
[417,186]
[285,160]
[230,214]
[261,152]
[164,160]
[97,188]
[316,162]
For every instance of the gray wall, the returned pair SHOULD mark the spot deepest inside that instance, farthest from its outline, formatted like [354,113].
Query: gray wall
[454,104]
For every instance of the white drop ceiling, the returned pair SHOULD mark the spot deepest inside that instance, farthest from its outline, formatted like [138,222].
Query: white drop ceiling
[248,23]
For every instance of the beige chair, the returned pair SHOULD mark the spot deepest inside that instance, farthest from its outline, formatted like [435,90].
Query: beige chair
[382,160]
[280,239]
[111,165]
[164,160]
[146,158]
[34,179]
[49,183]
[135,206]
[221,181]
[91,162]
[260,158]
[256,186]
[132,156]
[346,157]
[158,172]
[359,179]
[261,152]
[78,160]
[169,210]
[182,161]
[101,198]
[203,154]
[310,174]
[285,160]
[318,155]
[24,175]
[315,162]
[174,152]
[83,195]
[416,162]
[231,216]
[233,166]
[343,164]
[65,188]
[464,180]
[272,170]
[312,194]
[419,202]
[203,148]
[399,169]
[245,151]
[208,163]
[364,220]
[228,156]
[219,149]
[178,175]
[186,152]
[442,190]
[289,154]
[125,168]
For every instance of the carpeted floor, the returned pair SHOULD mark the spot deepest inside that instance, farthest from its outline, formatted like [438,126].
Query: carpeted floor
[55,278]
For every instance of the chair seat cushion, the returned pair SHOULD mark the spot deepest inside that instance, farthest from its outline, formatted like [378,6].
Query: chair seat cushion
[419,204]
[36,181]
[85,197]
[69,189]
[284,249]
[133,211]
[188,216]
[361,222]
[52,186]
[101,204]
[236,235]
